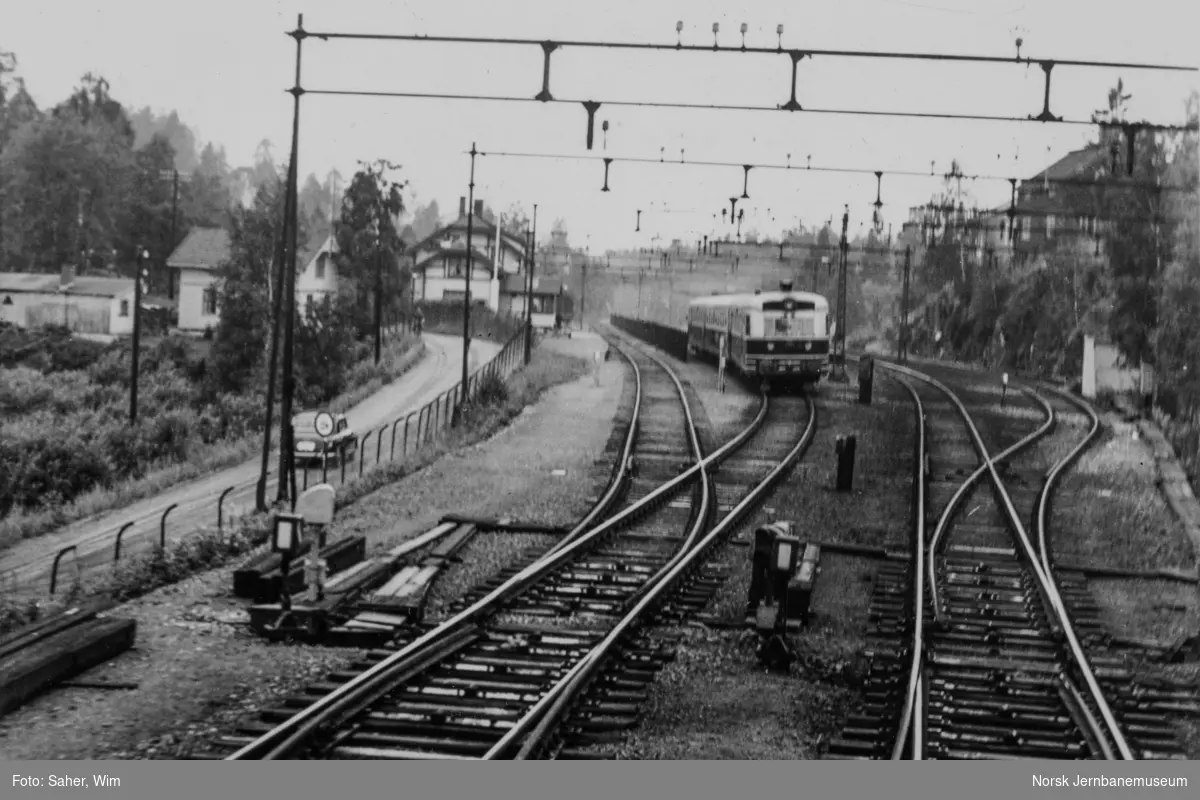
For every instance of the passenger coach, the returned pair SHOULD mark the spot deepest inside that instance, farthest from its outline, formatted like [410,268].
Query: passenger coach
[780,337]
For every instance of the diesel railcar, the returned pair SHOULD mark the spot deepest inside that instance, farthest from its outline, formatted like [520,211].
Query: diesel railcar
[778,338]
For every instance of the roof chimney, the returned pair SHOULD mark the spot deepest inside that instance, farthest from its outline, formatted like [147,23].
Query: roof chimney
[67,277]
[479,208]
[462,206]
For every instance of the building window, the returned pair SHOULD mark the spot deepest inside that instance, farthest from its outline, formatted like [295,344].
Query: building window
[210,301]
[1026,232]
[308,305]
[321,267]
[1049,225]
[124,308]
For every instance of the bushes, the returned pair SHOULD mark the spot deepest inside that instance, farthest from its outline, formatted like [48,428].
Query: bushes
[48,469]
[66,433]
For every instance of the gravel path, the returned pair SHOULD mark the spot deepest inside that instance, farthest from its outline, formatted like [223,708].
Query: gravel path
[197,666]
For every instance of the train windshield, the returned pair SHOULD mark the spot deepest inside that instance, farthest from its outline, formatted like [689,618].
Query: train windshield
[795,326]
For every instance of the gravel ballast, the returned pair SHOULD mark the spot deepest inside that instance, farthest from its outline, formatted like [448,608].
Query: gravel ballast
[197,665]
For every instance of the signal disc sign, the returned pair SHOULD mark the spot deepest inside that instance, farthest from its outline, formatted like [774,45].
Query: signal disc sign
[324,423]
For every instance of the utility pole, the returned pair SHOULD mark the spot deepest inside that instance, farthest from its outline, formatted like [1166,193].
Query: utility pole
[902,354]
[467,284]
[839,358]
[137,335]
[287,476]
[529,290]
[273,360]
[378,299]
[174,234]
[583,293]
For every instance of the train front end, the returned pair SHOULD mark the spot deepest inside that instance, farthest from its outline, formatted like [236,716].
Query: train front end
[791,345]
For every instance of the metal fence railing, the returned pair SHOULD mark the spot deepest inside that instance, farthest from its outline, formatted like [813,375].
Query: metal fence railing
[396,440]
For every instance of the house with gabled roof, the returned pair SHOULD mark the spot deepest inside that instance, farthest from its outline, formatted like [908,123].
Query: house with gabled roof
[195,263]
[439,261]
[89,305]
[202,252]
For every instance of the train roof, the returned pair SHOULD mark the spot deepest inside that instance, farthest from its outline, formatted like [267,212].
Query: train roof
[747,299]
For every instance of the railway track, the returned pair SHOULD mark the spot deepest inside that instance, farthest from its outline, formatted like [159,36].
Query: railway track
[528,664]
[978,653]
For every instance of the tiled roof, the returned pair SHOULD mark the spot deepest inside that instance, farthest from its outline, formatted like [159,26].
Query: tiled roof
[100,287]
[27,282]
[313,249]
[204,248]
[40,283]
[477,258]
[1076,164]
[478,225]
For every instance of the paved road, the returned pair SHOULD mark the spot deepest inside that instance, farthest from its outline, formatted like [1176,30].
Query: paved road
[25,568]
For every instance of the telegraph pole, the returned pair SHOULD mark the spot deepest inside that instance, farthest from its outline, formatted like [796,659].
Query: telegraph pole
[529,291]
[273,360]
[583,293]
[467,283]
[174,226]
[839,358]
[902,344]
[378,299]
[137,335]
[287,475]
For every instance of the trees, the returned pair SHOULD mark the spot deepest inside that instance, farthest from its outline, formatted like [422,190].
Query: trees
[426,220]
[147,125]
[207,198]
[245,286]
[368,239]
[66,180]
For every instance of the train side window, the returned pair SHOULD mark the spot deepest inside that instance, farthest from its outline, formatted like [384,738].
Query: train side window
[747,326]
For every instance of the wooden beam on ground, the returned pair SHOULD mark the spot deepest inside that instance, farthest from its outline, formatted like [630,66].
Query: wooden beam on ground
[62,655]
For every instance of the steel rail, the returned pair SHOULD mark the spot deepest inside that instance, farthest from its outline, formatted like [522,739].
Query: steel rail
[1057,470]
[622,466]
[928,561]
[570,686]
[906,712]
[1041,519]
[307,719]
[952,507]
[1049,587]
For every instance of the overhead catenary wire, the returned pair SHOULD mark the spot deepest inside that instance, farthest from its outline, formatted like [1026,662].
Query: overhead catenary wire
[780,50]
[1113,181]
[728,107]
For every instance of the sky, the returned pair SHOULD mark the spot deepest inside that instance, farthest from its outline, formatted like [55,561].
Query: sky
[225,65]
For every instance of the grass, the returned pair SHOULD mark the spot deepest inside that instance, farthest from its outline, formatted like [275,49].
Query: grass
[20,524]
[1111,512]
[208,549]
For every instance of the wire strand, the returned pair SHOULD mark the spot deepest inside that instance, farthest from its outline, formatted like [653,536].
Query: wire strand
[807,51]
[727,107]
[1115,182]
